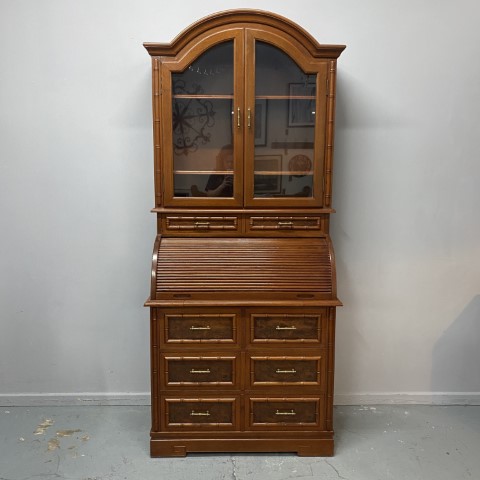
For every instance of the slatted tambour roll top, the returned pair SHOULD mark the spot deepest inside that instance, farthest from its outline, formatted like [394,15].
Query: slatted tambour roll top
[272,267]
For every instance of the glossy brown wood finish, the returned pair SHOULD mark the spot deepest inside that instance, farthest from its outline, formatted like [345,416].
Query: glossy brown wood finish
[199,371]
[277,371]
[178,64]
[201,413]
[243,265]
[200,328]
[285,413]
[279,328]
[297,51]
[256,18]
[303,447]
[201,224]
[243,289]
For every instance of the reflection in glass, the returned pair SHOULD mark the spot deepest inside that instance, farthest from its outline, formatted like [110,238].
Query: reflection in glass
[217,182]
[193,119]
[285,113]
[202,97]
[301,107]
[221,184]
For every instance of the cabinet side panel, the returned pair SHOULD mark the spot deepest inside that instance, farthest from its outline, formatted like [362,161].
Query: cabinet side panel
[330,368]
[154,368]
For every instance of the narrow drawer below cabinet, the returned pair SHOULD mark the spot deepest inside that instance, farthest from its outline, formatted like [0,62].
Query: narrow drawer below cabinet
[283,412]
[200,413]
[276,371]
[201,224]
[311,225]
[200,371]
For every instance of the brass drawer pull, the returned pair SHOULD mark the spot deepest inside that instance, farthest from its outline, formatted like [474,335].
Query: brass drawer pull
[205,225]
[200,371]
[285,328]
[286,371]
[291,412]
[199,414]
[285,224]
[200,328]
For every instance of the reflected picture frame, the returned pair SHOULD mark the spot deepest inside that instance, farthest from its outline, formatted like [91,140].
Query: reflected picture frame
[265,180]
[300,113]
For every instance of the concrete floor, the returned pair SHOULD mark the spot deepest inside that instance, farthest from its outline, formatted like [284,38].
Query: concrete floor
[111,443]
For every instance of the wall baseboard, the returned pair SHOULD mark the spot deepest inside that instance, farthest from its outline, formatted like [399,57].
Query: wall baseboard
[73,399]
[411,398]
[143,398]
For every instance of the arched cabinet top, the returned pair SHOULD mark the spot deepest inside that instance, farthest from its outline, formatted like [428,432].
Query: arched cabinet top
[248,19]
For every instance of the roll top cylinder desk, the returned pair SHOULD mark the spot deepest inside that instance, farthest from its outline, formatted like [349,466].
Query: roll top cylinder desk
[243,289]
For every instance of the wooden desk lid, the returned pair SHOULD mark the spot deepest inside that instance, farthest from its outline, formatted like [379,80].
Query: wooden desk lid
[268,267]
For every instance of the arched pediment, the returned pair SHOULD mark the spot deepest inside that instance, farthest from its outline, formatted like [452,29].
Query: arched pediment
[249,19]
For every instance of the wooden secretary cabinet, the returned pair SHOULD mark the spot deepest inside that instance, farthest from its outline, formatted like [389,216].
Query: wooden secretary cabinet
[243,289]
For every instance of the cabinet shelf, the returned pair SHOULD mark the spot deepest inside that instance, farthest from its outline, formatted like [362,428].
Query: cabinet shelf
[285,97]
[203,172]
[258,97]
[214,97]
[270,172]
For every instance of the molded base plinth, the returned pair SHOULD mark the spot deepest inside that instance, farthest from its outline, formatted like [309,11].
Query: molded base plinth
[302,447]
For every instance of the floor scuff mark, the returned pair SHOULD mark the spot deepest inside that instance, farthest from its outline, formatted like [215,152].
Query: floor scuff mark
[67,433]
[42,428]
[53,444]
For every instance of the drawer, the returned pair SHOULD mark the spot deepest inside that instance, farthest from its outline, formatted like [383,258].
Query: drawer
[199,370]
[200,413]
[287,328]
[276,371]
[307,224]
[200,328]
[285,412]
[201,224]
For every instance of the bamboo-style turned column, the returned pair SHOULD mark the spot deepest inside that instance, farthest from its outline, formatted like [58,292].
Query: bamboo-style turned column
[330,133]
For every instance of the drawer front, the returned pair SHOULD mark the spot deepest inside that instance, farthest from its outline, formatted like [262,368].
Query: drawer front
[287,328]
[285,412]
[200,413]
[308,225]
[276,371]
[201,328]
[200,371]
[201,224]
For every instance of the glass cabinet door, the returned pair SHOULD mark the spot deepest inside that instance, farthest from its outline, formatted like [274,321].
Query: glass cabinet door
[285,150]
[203,145]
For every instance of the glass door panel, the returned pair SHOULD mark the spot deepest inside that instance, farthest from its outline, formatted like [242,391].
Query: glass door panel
[285,108]
[285,151]
[202,126]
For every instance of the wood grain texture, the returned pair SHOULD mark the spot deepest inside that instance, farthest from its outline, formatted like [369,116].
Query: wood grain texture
[284,412]
[243,264]
[200,413]
[254,18]
[304,447]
